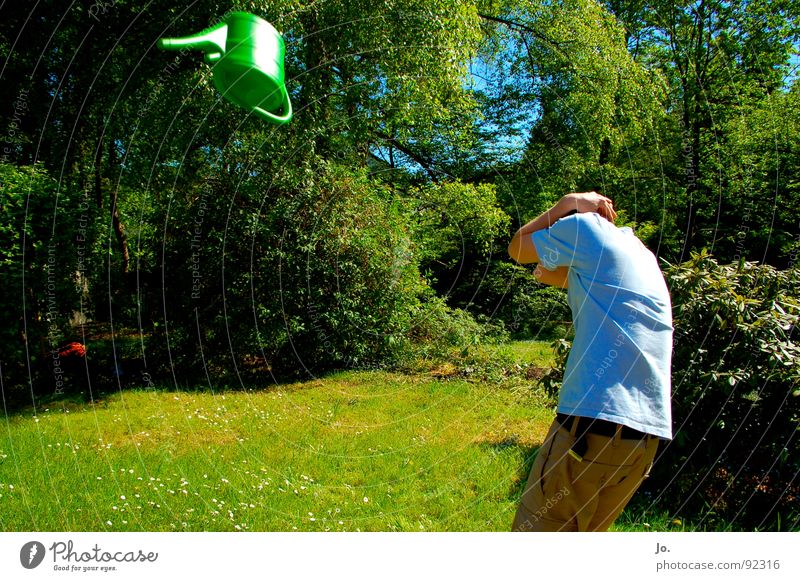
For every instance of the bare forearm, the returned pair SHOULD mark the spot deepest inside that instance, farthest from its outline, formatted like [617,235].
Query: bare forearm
[521,247]
[547,218]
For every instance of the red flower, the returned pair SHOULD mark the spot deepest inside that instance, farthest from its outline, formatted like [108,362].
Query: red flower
[73,349]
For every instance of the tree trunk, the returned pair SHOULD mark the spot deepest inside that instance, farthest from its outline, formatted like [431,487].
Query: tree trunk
[98,164]
[116,224]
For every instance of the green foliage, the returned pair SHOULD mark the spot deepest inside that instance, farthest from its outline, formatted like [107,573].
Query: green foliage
[737,321]
[405,60]
[321,276]
[453,219]
[723,60]
[253,249]
[442,334]
[440,328]
[315,273]
[551,380]
[46,251]
[758,164]
[509,293]
[736,388]
[678,111]
[587,95]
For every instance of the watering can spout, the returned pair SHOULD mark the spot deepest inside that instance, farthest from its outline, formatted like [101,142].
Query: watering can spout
[211,40]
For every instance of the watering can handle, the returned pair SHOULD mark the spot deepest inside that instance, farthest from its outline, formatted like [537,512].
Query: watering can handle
[211,40]
[287,114]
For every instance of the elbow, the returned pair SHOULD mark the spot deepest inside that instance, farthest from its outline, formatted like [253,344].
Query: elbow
[512,253]
[514,248]
[522,249]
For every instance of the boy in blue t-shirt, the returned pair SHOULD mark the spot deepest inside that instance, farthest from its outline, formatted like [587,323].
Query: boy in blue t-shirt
[614,403]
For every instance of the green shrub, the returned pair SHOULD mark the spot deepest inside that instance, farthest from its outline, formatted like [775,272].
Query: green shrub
[450,342]
[46,253]
[552,378]
[303,279]
[298,276]
[508,293]
[736,382]
[452,220]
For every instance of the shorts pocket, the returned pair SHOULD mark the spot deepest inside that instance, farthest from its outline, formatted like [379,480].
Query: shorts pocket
[557,501]
[602,450]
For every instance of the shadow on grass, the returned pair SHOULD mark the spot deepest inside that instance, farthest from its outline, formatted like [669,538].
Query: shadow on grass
[111,367]
[528,454]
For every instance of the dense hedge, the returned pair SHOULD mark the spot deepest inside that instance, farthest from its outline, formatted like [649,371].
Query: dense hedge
[736,393]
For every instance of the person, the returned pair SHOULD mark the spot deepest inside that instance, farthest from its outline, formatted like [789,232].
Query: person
[614,403]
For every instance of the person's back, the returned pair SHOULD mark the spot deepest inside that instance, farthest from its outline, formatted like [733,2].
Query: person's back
[619,366]
[614,403]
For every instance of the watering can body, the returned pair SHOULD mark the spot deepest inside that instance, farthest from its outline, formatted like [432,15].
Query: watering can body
[247,54]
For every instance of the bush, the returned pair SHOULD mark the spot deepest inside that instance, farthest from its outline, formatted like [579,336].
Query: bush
[444,335]
[453,221]
[297,277]
[301,277]
[736,382]
[509,293]
[46,251]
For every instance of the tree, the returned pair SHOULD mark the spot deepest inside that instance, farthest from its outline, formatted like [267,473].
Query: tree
[757,163]
[569,70]
[170,163]
[720,58]
[45,256]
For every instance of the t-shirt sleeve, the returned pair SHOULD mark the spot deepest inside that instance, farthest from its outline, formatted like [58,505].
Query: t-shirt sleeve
[568,242]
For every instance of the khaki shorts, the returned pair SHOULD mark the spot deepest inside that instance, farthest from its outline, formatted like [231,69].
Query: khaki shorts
[564,493]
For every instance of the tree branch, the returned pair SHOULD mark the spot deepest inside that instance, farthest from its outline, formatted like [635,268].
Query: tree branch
[426,163]
[520,26]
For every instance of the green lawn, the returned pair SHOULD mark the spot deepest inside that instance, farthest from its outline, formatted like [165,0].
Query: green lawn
[534,352]
[368,451]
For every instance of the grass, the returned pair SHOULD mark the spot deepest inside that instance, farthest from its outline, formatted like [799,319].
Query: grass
[637,519]
[354,451]
[538,353]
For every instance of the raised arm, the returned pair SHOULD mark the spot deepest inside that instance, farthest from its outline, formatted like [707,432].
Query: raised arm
[522,248]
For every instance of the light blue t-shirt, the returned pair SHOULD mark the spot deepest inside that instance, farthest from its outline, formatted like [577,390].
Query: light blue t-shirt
[619,366]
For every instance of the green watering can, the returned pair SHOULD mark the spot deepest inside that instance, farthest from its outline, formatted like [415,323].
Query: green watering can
[247,57]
